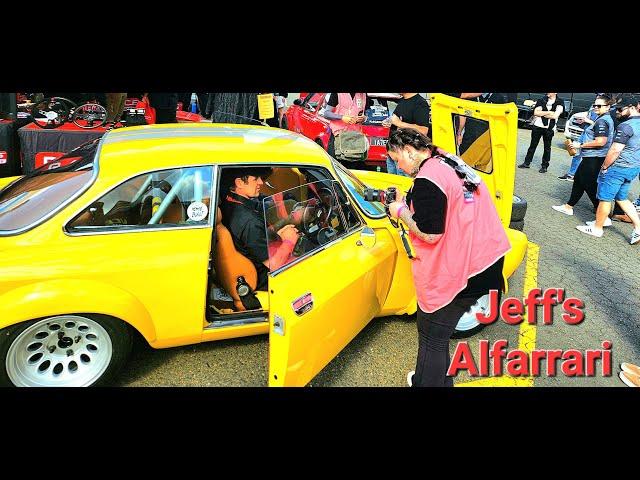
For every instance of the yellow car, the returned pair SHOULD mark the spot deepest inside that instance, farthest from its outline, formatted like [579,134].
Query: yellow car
[124,235]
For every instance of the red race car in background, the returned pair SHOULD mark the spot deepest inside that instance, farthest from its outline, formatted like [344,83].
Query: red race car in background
[305,117]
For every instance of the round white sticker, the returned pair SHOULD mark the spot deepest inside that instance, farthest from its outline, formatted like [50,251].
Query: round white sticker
[197,211]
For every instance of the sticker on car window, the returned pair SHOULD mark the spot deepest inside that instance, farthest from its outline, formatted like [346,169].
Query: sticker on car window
[197,211]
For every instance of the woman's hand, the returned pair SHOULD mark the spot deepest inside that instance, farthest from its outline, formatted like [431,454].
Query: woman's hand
[395,207]
[348,119]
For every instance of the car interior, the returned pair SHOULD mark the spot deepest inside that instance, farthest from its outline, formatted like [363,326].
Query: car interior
[310,199]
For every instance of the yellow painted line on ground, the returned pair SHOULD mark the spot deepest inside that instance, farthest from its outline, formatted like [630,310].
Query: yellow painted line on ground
[527,333]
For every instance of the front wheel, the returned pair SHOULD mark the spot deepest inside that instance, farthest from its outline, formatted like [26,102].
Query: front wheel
[63,351]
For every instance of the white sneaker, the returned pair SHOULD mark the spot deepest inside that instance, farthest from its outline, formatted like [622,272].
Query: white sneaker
[635,237]
[596,232]
[630,368]
[607,222]
[630,379]
[410,377]
[562,209]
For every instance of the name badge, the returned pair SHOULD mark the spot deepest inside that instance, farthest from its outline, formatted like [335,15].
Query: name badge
[468,197]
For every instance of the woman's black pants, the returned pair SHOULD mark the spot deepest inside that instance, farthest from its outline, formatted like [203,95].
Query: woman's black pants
[434,331]
[586,180]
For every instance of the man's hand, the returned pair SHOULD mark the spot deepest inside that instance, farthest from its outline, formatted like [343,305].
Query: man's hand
[360,118]
[394,207]
[290,233]
[576,144]
[395,120]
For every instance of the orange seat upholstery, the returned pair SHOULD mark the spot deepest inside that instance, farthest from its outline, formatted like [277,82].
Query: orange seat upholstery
[231,264]
[284,178]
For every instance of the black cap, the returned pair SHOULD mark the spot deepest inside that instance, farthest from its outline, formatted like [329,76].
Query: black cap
[230,174]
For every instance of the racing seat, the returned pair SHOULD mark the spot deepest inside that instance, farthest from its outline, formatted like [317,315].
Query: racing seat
[285,178]
[234,271]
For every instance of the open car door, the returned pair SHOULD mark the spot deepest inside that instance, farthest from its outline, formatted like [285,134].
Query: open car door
[485,136]
[334,282]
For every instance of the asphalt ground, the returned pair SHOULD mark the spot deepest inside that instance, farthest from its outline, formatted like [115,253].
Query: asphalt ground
[603,272]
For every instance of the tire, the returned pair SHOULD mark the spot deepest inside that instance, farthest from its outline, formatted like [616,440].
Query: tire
[519,225]
[519,209]
[468,333]
[91,351]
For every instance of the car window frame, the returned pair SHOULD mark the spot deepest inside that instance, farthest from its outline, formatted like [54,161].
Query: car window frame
[143,228]
[336,165]
[95,165]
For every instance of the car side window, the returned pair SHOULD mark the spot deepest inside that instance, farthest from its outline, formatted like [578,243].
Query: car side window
[473,142]
[313,209]
[168,198]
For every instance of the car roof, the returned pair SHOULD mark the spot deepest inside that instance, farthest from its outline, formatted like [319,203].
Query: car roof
[173,145]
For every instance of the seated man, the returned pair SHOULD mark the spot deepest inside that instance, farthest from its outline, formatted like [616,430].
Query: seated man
[243,215]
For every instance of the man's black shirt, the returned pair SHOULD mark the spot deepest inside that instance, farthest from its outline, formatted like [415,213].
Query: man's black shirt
[413,110]
[244,218]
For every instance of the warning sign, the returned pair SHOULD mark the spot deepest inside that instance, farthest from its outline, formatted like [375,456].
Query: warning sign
[265,106]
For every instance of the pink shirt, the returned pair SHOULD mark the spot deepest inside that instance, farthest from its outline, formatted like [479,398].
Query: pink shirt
[473,240]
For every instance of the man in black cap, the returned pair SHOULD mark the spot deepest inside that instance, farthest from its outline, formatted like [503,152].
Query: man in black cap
[243,215]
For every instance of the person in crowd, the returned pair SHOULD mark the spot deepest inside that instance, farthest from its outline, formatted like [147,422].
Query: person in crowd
[281,106]
[345,111]
[621,166]
[547,110]
[243,215]
[227,107]
[115,107]
[165,105]
[593,149]
[412,111]
[588,119]
[446,215]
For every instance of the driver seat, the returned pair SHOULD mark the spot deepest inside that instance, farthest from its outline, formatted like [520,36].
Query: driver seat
[230,264]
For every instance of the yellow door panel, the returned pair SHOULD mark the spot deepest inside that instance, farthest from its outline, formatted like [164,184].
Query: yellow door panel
[348,284]
[503,131]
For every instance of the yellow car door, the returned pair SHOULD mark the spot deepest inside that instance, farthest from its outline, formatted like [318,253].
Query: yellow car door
[321,300]
[491,150]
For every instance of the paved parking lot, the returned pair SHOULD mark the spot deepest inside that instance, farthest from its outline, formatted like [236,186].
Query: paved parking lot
[603,272]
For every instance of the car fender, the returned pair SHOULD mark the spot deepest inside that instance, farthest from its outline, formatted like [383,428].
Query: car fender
[59,297]
[515,256]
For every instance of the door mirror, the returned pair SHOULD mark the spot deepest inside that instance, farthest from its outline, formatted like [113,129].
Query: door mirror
[367,237]
[297,101]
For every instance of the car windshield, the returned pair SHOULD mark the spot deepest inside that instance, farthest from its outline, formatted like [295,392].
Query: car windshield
[41,193]
[356,188]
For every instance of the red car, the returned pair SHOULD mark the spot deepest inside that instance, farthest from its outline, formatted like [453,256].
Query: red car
[305,117]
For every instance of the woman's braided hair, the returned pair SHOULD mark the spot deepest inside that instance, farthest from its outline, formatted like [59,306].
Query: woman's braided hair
[409,136]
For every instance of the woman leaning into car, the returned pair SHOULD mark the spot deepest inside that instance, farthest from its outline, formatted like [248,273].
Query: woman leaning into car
[459,243]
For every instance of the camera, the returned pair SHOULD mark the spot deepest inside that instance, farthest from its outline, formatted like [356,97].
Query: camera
[387,196]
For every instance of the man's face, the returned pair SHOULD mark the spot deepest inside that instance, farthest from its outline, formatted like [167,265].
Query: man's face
[600,106]
[623,113]
[250,189]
